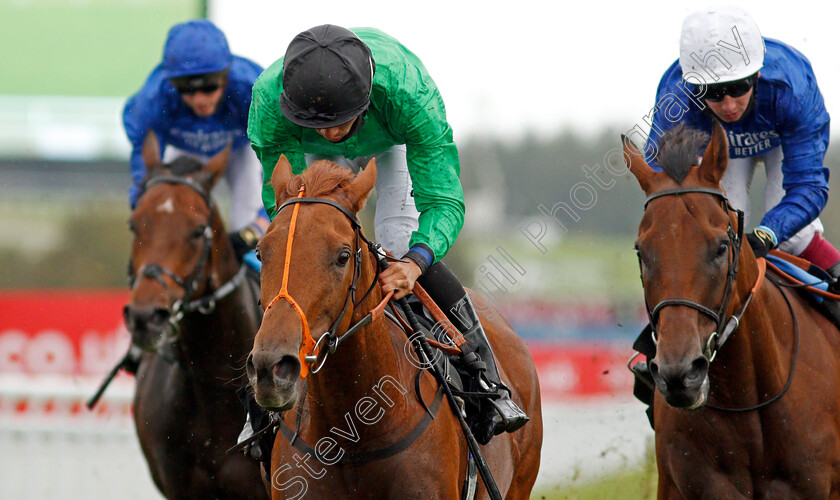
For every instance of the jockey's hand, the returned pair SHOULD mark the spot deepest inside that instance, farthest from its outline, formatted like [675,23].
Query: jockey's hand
[244,241]
[400,277]
[761,242]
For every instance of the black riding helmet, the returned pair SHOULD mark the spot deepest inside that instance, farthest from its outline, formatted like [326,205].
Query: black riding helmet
[327,77]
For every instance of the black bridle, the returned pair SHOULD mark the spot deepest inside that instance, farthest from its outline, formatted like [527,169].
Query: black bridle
[205,304]
[716,340]
[724,327]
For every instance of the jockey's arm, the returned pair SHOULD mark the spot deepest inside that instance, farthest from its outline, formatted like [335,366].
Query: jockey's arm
[435,169]
[139,116]
[804,131]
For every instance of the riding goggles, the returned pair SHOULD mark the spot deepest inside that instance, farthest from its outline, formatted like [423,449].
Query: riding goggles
[207,88]
[206,83]
[738,88]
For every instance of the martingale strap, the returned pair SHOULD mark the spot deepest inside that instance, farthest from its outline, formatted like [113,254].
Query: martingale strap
[369,456]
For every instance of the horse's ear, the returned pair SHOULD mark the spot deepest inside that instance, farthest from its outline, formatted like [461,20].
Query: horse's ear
[151,151]
[359,190]
[280,177]
[716,157]
[217,164]
[636,163]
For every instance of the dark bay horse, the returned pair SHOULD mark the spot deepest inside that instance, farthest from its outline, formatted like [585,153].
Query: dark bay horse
[358,413]
[195,316]
[744,408]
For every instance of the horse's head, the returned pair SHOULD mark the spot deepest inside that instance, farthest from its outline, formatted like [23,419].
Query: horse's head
[311,264]
[689,247]
[175,224]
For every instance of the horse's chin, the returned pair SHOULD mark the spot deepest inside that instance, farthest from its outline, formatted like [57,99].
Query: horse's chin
[149,341]
[689,399]
[274,399]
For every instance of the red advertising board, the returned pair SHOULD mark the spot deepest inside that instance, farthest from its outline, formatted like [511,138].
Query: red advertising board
[581,370]
[81,333]
[61,332]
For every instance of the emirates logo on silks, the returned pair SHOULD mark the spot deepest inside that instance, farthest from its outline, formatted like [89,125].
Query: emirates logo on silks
[744,144]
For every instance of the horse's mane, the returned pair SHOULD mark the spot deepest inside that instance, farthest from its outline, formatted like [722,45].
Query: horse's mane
[679,148]
[322,178]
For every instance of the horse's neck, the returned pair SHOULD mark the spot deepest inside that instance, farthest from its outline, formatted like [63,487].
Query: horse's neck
[760,348]
[371,364]
[214,345]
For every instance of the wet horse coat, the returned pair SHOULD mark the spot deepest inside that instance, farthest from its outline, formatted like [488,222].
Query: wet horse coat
[185,408]
[363,400]
[756,417]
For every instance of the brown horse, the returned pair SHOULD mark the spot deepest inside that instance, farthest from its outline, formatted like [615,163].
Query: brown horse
[758,417]
[195,316]
[360,415]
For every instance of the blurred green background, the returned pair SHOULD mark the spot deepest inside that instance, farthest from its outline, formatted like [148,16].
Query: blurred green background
[84,48]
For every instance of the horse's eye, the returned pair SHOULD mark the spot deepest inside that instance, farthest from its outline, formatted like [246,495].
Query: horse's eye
[343,258]
[131,227]
[722,249]
[257,253]
[198,232]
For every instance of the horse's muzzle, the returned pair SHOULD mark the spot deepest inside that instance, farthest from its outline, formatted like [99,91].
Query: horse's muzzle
[684,385]
[149,325]
[274,379]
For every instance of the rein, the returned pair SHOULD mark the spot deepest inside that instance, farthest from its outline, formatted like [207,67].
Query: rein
[310,350]
[792,363]
[379,261]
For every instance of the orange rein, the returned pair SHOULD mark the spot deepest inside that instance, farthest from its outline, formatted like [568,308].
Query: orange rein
[804,265]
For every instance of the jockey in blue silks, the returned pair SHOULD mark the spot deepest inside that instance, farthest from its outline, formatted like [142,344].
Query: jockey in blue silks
[196,101]
[765,95]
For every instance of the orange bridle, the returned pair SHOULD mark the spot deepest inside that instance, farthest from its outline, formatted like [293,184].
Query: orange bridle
[310,351]
[308,346]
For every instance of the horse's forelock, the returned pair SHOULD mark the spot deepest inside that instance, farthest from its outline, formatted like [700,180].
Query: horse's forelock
[679,150]
[322,178]
[184,165]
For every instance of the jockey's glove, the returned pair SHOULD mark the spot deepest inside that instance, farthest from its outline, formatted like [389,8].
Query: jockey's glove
[761,241]
[244,240]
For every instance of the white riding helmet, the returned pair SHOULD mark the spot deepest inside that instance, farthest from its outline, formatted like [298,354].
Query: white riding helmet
[711,30]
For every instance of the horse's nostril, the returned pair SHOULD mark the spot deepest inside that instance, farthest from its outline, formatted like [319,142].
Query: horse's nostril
[159,316]
[654,369]
[287,369]
[699,369]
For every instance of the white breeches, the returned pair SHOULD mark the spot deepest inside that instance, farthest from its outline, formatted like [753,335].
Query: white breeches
[396,216]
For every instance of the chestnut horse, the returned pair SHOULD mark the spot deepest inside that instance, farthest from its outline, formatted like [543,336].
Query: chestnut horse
[195,316]
[747,372]
[359,415]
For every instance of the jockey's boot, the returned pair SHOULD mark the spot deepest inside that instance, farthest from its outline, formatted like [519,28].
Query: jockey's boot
[499,413]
